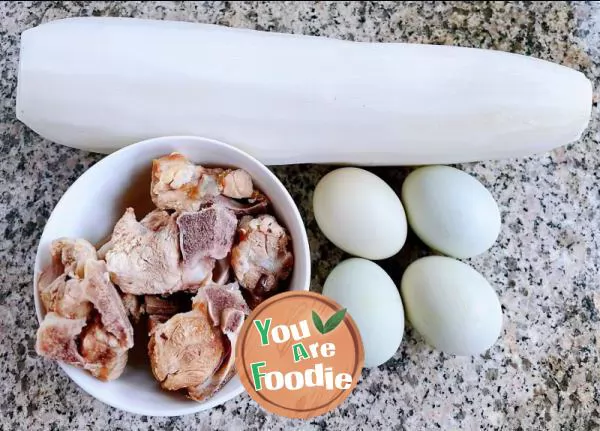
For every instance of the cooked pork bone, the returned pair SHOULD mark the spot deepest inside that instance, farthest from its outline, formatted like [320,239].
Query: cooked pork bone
[48,276]
[189,350]
[231,324]
[58,283]
[66,297]
[178,184]
[57,339]
[262,257]
[196,273]
[103,354]
[100,354]
[70,303]
[106,300]
[144,257]
[227,309]
[206,233]
[68,257]
[236,184]
[185,350]
[90,288]
[73,255]
[218,298]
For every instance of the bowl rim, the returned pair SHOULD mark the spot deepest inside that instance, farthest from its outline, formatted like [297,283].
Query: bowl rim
[195,407]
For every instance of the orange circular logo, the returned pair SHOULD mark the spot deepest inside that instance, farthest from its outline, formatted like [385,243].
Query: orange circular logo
[299,354]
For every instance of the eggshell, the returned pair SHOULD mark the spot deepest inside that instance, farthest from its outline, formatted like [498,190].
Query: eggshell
[450,211]
[373,301]
[451,305]
[358,212]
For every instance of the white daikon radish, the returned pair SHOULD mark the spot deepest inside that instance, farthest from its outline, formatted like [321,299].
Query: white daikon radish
[103,83]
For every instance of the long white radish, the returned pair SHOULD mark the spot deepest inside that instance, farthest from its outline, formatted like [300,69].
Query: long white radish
[103,83]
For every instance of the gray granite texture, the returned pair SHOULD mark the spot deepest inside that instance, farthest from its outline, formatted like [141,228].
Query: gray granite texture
[543,373]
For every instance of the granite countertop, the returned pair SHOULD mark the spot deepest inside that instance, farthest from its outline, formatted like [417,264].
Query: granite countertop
[544,372]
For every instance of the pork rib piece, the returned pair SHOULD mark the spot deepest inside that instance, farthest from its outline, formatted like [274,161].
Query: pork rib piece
[206,233]
[178,184]
[262,257]
[144,257]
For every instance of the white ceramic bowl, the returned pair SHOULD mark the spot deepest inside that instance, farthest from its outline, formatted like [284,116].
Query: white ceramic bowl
[90,208]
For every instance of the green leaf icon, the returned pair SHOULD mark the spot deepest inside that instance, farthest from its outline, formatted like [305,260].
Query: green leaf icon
[334,321]
[317,322]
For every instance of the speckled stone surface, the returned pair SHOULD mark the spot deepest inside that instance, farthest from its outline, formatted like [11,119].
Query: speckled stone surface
[544,372]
